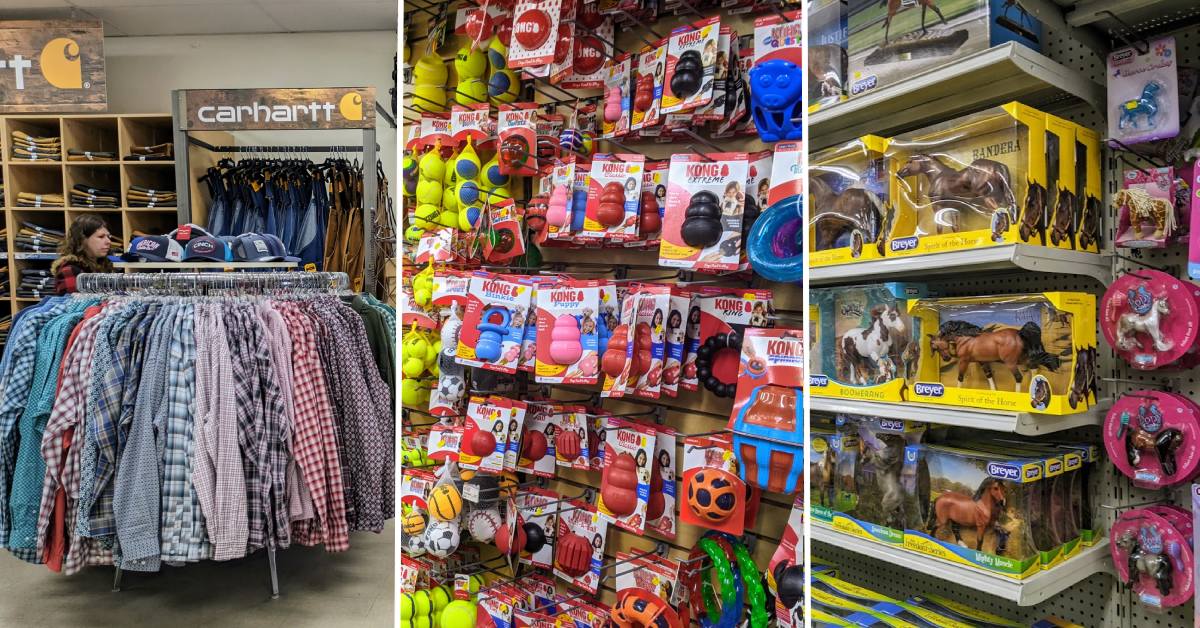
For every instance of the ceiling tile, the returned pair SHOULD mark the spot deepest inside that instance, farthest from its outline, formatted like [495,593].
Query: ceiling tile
[208,19]
[325,16]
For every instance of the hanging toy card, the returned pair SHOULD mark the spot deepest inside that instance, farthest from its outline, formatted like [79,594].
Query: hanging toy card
[571,448]
[484,439]
[768,411]
[564,60]
[589,53]
[516,420]
[660,506]
[676,334]
[1143,93]
[625,477]
[504,241]
[528,361]
[648,86]
[691,343]
[1192,177]
[614,197]
[649,338]
[776,89]
[581,538]
[444,443]
[714,496]
[786,570]
[534,33]
[436,130]
[539,507]
[537,443]
[494,323]
[568,345]
[702,224]
[619,361]
[517,129]
[653,202]
[617,99]
[714,109]
[691,66]
[473,122]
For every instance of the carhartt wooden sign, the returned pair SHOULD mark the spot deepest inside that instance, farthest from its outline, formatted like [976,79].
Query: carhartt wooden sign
[52,65]
[284,108]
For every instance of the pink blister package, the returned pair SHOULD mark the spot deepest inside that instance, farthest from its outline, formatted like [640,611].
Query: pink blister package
[1151,437]
[1149,318]
[1154,557]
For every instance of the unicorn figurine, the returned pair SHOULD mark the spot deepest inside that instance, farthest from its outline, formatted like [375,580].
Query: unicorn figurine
[1145,105]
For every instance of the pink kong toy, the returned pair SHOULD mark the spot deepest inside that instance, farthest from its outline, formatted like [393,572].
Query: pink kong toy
[612,107]
[564,340]
[1149,318]
[1151,437]
[556,214]
[1154,557]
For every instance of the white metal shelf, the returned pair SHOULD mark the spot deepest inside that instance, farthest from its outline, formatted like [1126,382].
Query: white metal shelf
[1006,72]
[1141,15]
[995,258]
[1025,423]
[1027,592]
[200,265]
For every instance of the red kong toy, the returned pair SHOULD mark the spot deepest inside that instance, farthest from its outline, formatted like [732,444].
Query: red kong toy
[568,444]
[650,221]
[611,210]
[533,445]
[618,484]
[643,354]
[507,543]
[613,361]
[573,555]
[482,443]
[657,503]
[514,152]
[643,95]
[532,29]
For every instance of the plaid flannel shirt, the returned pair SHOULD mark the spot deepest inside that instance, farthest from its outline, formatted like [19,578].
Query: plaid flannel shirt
[183,531]
[30,470]
[18,378]
[327,334]
[315,443]
[279,345]
[57,440]
[248,397]
[218,475]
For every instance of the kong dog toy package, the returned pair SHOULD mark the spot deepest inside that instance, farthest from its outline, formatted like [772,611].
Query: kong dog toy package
[866,345]
[625,477]
[537,441]
[725,314]
[618,101]
[485,437]
[975,508]
[494,323]
[648,86]
[691,64]
[702,225]
[776,78]
[768,410]
[972,182]
[676,340]
[907,45]
[714,496]
[580,541]
[849,191]
[1019,353]
[869,460]
[572,448]
[650,326]
[567,338]
[660,507]
[614,197]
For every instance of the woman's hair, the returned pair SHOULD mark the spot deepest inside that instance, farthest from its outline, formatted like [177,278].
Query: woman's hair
[73,250]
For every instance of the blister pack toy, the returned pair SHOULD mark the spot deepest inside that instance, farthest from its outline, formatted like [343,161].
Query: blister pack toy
[776,79]
[768,410]
[1147,213]
[494,323]
[1151,437]
[1143,93]
[702,223]
[1154,557]
[568,344]
[848,198]
[1149,318]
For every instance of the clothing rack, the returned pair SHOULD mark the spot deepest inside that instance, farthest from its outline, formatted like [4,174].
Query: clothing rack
[200,283]
[369,150]
[276,149]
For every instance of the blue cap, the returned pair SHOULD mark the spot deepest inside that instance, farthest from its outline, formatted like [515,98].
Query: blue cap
[207,248]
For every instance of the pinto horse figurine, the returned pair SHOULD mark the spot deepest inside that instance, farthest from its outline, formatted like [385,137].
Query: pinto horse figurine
[1149,435]
[1147,554]
[970,344]
[896,6]
[983,182]
[863,349]
[980,511]
[1144,105]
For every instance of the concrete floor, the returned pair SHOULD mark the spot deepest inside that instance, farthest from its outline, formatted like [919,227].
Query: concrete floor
[349,590]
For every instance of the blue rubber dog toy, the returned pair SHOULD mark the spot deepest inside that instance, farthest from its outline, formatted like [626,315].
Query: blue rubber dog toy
[776,98]
[487,348]
[773,245]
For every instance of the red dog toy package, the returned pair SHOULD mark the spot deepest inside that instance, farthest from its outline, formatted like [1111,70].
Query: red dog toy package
[622,355]
[625,479]
[579,545]
[768,411]
[444,442]
[702,225]
[1151,437]
[568,345]
[691,63]
[1155,557]
[516,422]
[676,334]
[589,53]
[724,316]
[534,30]
[505,241]
[571,438]
[654,201]
[494,323]
[691,343]
[649,340]
[660,506]
[485,439]
[1149,318]
[517,129]
[648,86]
[713,495]
[537,443]
[785,571]
[614,197]
[644,591]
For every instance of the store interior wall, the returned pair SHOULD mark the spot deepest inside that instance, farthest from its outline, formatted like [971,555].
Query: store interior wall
[142,71]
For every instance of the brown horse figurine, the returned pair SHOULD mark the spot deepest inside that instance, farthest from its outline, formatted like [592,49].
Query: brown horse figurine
[1033,219]
[984,183]
[1064,219]
[958,509]
[835,215]
[894,7]
[972,344]
[1089,229]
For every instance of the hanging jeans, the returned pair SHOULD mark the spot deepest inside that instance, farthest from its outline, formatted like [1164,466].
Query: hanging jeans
[219,210]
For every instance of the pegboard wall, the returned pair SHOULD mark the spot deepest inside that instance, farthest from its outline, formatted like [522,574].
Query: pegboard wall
[1100,600]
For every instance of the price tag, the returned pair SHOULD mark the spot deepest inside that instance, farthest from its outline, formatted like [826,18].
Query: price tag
[471,493]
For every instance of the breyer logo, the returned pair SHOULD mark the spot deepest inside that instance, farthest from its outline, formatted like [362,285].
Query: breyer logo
[1055,466]
[891,425]
[1122,57]
[905,244]
[863,85]
[929,390]
[819,381]
[1003,471]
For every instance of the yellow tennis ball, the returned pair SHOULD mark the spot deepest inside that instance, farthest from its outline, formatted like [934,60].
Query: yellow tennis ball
[429,98]
[406,623]
[503,86]
[448,218]
[471,91]
[498,194]
[449,179]
[426,216]
[406,606]
[413,367]
[424,621]
[410,391]
[474,584]
[430,70]
[440,596]
[450,201]
[459,614]
[469,217]
[492,176]
[414,233]
[429,192]
[435,621]
[470,63]
[497,54]
[432,166]
[466,163]
[421,604]
[445,503]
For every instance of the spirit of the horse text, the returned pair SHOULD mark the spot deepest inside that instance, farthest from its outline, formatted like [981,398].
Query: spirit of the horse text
[997,149]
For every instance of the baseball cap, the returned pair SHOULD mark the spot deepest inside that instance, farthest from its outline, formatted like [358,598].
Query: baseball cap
[154,249]
[255,247]
[207,248]
[184,233]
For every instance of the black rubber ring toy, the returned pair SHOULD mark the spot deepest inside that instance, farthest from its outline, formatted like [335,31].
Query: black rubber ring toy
[689,71]
[704,359]
[702,220]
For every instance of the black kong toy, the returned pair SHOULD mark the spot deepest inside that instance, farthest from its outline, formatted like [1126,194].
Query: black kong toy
[707,354]
[535,537]
[689,71]
[702,220]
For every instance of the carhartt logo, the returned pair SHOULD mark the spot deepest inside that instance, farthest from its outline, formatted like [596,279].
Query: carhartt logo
[351,106]
[62,64]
